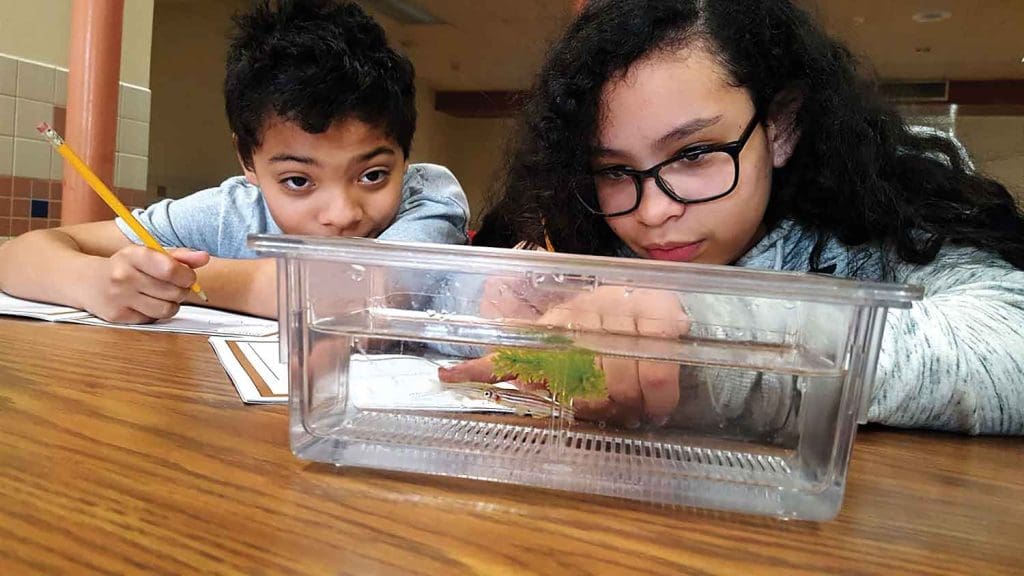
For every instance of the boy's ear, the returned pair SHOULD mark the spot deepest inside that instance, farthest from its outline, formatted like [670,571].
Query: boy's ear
[250,174]
[782,131]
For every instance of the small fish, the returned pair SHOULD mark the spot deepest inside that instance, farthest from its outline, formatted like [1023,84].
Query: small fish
[522,403]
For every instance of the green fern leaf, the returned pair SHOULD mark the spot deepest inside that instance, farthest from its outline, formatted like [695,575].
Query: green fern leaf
[568,372]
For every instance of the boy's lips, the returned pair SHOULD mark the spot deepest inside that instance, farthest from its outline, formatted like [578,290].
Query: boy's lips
[676,252]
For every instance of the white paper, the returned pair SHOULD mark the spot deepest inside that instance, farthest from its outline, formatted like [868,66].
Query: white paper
[396,382]
[377,381]
[188,320]
[11,306]
[198,320]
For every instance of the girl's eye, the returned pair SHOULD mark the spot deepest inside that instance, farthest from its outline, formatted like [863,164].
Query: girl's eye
[375,176]
[613,174]
[296,183]
[691,159]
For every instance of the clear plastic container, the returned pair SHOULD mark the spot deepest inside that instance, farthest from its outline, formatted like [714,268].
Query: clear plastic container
[773,370]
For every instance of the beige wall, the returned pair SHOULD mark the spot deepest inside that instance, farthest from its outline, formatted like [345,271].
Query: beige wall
[136,41]
[996,144]
[38,30]
[190,144]
[431,143]
[477,152]
[473,149]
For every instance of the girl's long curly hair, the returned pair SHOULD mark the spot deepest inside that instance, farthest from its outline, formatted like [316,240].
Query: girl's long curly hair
[858,173]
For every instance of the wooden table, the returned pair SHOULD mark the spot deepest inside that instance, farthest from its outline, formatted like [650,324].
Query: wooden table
[129,452]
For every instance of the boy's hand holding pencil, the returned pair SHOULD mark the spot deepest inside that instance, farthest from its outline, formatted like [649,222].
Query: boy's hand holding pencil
[137,284]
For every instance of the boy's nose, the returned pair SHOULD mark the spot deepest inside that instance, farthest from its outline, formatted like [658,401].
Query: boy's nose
[655,206]
[343,215]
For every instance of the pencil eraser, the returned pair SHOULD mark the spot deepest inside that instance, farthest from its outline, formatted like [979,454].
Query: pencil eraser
[43,127]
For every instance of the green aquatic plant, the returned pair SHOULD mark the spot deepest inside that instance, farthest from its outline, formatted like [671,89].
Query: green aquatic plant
[569,373]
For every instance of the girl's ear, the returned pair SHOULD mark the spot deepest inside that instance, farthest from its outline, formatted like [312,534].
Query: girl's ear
[782,131]
[250,173]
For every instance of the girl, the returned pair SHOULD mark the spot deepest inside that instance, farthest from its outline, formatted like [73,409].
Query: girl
[736,132]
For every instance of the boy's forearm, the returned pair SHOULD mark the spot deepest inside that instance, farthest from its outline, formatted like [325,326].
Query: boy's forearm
[46,265]
[247,286]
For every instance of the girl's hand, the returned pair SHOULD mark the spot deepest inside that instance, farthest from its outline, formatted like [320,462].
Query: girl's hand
[637,390]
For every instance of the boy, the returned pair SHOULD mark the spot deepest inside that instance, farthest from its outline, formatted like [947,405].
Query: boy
[323,115]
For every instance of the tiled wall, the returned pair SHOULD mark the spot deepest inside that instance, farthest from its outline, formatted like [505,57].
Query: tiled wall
[31,171]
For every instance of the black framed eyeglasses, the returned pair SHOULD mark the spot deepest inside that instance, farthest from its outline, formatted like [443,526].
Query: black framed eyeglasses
[695,175]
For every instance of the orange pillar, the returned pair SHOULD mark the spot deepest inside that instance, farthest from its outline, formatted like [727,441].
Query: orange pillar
[94,70]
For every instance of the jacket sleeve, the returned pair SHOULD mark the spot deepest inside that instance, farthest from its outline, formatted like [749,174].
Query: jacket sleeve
[954,361]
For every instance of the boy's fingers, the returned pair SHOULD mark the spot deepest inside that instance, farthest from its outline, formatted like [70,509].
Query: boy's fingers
[161,290]
[154,308]
[163,267]
[124,316]
[190,258]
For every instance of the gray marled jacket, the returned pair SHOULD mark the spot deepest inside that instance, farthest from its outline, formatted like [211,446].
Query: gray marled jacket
[955,361]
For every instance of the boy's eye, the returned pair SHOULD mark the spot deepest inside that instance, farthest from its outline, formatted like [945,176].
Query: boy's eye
[375,176]
[296,183]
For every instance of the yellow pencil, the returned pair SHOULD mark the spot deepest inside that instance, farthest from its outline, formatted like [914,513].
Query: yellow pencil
[547,239]
[105,193]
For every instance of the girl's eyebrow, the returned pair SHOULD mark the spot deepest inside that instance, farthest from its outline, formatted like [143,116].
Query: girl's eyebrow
[687,129]
[684,130]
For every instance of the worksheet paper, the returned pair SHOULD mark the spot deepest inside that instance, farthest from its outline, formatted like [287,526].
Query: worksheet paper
[188,320]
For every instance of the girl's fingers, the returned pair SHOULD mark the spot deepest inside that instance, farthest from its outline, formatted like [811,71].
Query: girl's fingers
[621,376]
[476,370]
[660,384]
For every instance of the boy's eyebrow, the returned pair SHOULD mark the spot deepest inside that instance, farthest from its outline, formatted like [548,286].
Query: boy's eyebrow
[680,132]
[285,157]
[376,152]
[293,158]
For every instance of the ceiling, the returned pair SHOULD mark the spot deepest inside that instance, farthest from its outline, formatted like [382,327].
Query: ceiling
[499,44]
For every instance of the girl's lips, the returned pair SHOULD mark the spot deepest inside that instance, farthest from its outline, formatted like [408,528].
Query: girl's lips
[676,252]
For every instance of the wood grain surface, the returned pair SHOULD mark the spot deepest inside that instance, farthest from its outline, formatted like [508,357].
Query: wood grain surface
[128,452]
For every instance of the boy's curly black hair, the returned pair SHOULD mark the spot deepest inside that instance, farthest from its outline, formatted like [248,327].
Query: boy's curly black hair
[315,62]
[858,173]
